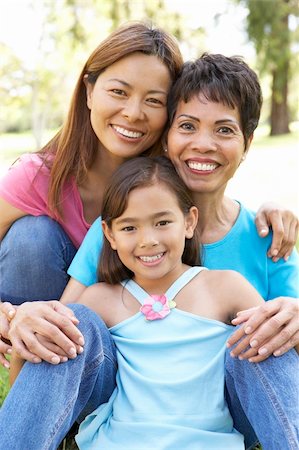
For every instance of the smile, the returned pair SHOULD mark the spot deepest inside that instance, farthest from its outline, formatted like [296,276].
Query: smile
[203,167]
[149,259]
[128,133]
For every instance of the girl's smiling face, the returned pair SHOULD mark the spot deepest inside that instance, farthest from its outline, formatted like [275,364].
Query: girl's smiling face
[128,104]
[150,235]
[206,144]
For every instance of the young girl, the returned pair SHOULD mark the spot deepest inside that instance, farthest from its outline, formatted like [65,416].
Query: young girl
[169,321]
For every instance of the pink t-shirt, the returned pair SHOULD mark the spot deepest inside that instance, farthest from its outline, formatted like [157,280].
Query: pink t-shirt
[25,186]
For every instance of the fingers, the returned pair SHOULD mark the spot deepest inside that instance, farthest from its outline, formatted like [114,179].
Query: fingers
[272,329]
[8,310]
[64,310]
[32,344]
[278,229]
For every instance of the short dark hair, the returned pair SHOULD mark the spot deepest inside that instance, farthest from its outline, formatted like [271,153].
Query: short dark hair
[220,79]
[135,173]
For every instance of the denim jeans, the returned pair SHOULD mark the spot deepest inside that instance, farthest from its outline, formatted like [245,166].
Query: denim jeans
[45,400]
[34,257]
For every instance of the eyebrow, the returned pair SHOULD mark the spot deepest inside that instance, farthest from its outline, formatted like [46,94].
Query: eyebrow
[189,116]
[153,91]
[134,219]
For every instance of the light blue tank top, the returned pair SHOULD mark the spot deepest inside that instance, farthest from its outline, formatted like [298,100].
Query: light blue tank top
[170,384]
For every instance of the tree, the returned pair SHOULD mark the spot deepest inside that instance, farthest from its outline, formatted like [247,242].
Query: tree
[268,26]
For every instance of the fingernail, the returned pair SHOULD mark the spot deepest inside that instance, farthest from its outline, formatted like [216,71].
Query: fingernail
[262,351]
[81,341]
[6,365]
[263,231]
[274,252]
[9,351]
[250,360]
[277,353]
[72,352]
[55,359]
[254,343]
[275,259]
[286,258]
[36,360]
[64,359]
[248,330]
[11,313]
[80,350]
[240,358]
[232,354]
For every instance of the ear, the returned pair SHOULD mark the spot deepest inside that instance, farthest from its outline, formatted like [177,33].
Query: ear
[164,143]
[191,220]
[108,234]
[89,89]
[248,144]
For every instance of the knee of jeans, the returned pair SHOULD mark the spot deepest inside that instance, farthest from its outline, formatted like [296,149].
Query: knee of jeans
[30,236]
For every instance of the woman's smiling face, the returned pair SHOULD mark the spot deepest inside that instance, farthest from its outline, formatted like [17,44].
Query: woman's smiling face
[128,104]
[206,144]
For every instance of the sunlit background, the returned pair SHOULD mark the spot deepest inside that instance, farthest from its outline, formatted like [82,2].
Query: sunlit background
[44,43]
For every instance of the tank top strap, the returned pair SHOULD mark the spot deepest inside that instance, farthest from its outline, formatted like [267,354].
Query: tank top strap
[182,281]
[136,290]
[140,294]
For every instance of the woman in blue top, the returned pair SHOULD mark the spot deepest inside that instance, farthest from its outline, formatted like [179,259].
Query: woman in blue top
[169,322]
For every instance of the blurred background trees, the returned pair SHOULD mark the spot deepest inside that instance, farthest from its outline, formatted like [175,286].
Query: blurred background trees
[35,91]
[273,28]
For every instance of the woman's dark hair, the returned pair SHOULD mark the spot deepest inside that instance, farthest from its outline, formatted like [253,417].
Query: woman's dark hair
[220,79]
[136,173]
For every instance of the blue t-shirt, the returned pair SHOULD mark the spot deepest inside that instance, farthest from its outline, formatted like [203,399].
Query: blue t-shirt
[241,249]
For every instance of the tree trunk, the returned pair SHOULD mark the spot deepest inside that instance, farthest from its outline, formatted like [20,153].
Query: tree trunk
[279,119]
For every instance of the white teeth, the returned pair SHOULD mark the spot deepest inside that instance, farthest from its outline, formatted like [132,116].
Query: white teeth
[151,258]
[201,166]
[127,133]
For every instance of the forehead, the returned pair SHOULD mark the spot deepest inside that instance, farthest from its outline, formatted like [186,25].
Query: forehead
[199,105]
[141,65]
[151,199]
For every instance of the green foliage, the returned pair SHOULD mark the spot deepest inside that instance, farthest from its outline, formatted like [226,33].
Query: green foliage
[273,26]
[4,385]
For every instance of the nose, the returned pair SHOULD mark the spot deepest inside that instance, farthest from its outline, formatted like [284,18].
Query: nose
[148,239]
[133,110]
[204,142]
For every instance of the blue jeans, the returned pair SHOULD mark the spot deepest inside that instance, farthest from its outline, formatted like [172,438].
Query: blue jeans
[46,400]
[264,391]
[34,257]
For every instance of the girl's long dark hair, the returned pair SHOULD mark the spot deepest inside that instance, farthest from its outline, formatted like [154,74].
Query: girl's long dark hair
[136,173]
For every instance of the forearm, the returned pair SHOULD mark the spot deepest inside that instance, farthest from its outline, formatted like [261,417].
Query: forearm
[16,364]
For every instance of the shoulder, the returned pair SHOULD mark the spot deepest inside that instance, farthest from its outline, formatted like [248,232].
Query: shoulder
[100,297]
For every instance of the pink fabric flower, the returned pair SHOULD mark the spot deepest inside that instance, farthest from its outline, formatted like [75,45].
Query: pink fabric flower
[156,307]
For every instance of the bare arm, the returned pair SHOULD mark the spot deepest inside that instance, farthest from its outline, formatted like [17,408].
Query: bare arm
[72,292]
[8,215]
[16,364]
[284,225]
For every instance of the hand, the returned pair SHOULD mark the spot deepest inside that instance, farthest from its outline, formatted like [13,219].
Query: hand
[272,328]
[284,226]
[51,320]
[7,311]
